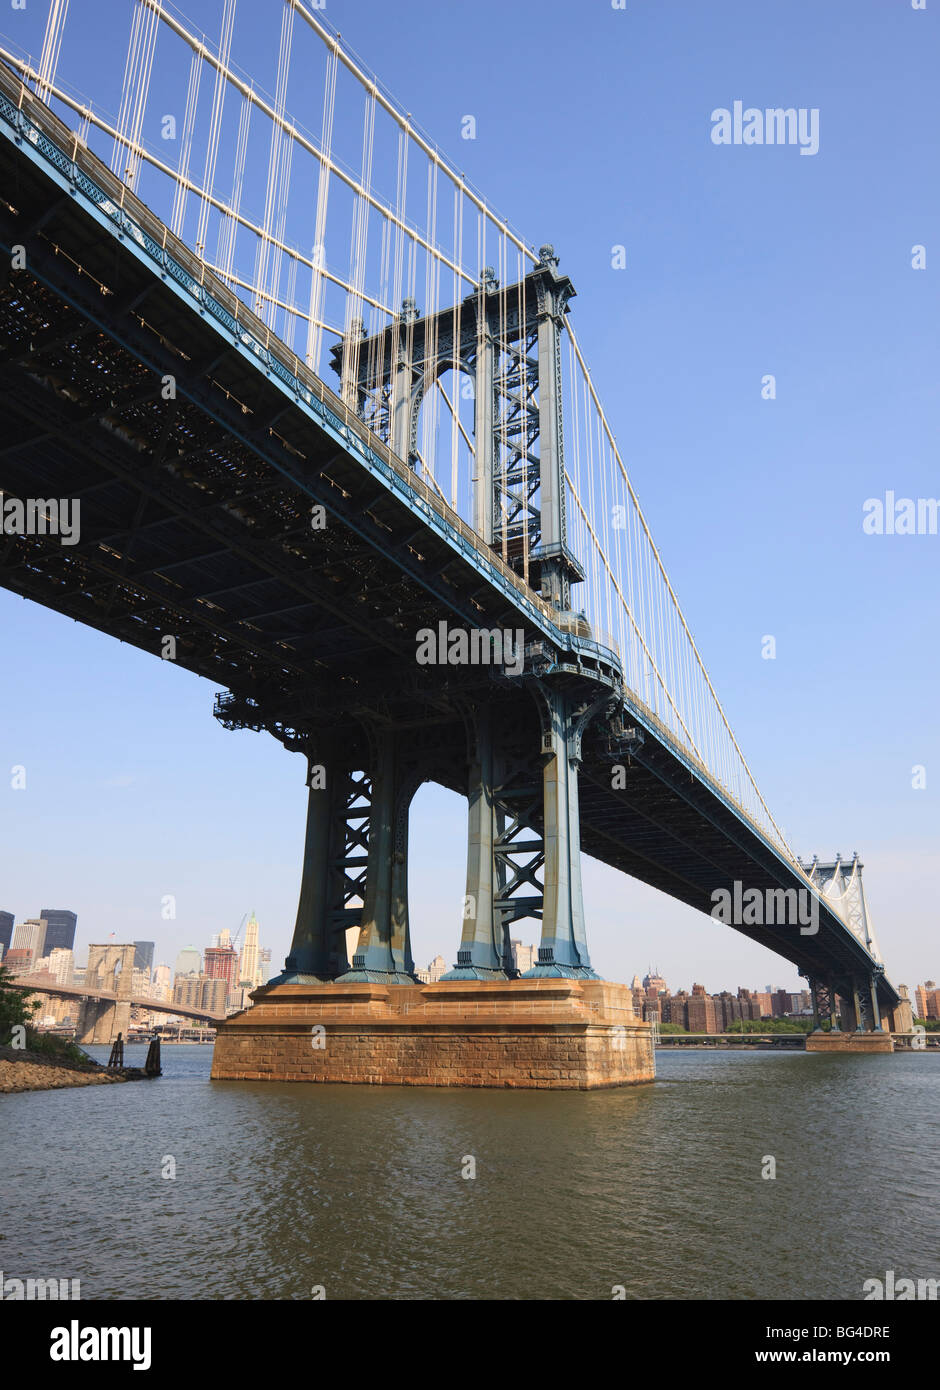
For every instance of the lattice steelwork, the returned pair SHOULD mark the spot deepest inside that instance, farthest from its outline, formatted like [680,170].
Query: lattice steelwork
[840,882]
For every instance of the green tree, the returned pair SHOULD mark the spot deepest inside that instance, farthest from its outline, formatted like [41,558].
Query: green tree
[17,1006]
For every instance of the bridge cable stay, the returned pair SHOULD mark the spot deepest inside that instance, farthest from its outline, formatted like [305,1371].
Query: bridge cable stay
[215,124]
[186,144]
[51,47]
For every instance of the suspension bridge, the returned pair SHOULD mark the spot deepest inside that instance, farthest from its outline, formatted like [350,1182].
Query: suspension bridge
[336,447]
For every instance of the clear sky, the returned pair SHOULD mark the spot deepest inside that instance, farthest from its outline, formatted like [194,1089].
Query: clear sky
[593,130]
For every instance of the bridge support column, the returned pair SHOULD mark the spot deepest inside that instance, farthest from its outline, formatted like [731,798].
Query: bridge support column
[318,947]
[100,1020]
[563,949]
[862,1005]
[483,952]
[835,1006]
[383,955]
[824,1005]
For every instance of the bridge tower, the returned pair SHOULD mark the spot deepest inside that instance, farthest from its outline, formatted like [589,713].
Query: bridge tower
[849,996]
[111,969]
[523,854]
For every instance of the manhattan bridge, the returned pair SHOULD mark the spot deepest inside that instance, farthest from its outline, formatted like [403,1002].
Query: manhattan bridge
[316,398]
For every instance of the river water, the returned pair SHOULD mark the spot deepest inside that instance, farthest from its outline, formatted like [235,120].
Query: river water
[283,1188]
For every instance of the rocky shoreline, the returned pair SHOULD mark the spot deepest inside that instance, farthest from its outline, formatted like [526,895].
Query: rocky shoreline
[22,1070]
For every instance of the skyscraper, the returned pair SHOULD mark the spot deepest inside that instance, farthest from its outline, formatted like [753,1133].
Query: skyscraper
[6,932]
[222,964]
[143,956]
[189,961]
[31,936]
[248,967]
[61,929]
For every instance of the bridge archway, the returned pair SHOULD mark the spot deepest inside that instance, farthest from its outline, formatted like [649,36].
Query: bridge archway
[442,436]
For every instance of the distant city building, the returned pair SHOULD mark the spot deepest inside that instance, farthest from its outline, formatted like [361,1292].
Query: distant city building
[141,984]
[701,1012]
[222,964]
[200,992]
[6,932]
[240,999]
[249,963]
[31,936]
[524,957]
[653,983]
[765,1002]
[163,981]
[676,1009]
[189,961]
[18,960]
[143,956]
[927,1000]
[436,968]
[782,1004]
[214,995]
[60,931]
[61,963]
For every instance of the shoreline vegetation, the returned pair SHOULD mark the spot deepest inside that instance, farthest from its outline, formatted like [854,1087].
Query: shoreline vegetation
[41,1067]
[32,1061]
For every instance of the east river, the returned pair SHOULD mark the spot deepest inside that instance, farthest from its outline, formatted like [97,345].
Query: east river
[281,1190]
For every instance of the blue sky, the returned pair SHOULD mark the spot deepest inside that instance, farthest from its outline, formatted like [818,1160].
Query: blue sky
[593,130]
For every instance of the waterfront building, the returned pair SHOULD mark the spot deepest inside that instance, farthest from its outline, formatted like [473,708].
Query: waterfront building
[701,1012]
[678,1009]
[782,1003]
[200,992]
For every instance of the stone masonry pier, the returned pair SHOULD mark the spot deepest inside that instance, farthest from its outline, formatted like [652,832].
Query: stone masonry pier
[548,1034]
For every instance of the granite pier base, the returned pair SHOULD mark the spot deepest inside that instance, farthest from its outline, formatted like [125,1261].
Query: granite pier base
[531,1034]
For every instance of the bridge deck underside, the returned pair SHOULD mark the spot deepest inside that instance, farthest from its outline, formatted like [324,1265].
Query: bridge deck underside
[196,523]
